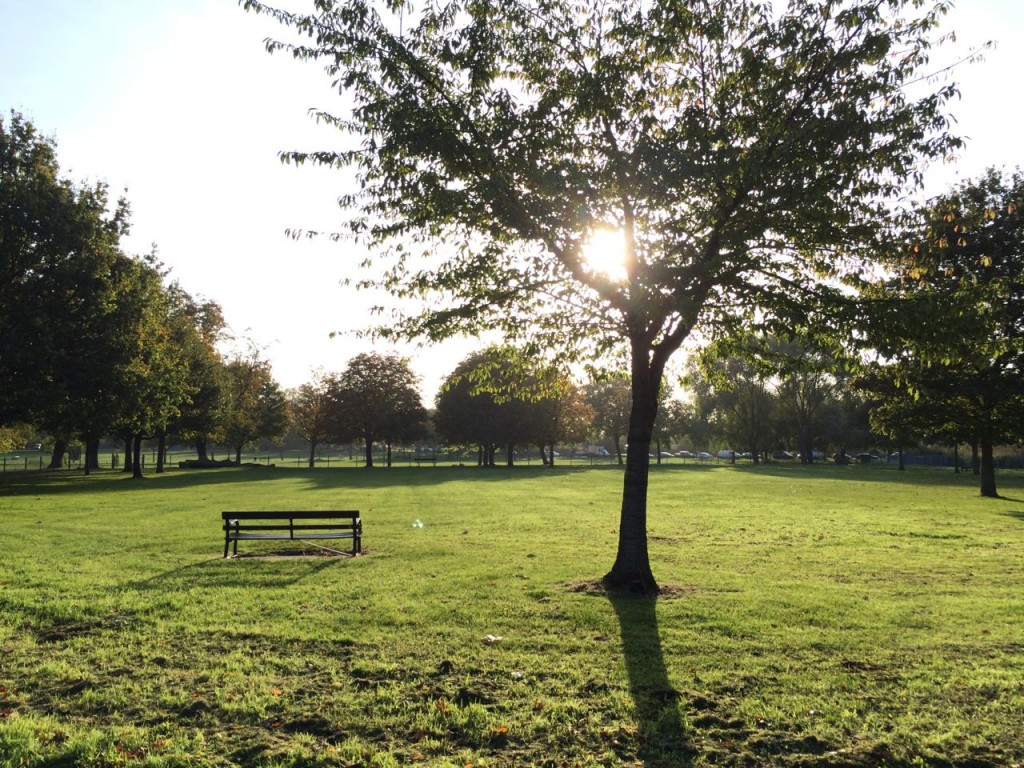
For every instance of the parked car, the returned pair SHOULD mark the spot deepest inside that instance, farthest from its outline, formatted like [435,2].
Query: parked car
[726,453]
[685,455]
[703,455]
[783,456]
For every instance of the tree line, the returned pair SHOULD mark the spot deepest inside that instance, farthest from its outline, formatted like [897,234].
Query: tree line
[96,342]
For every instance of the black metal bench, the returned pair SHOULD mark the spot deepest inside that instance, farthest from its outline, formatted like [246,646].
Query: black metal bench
[297,526]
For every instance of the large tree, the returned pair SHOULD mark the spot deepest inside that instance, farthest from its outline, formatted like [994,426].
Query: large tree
[737,146]
[950,314]
[59,247]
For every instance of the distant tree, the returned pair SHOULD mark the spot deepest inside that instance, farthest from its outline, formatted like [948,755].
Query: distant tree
[153,382]
[746,398]
[376,399]
[670,425]
[479,405]
[557,413]
[738,145]
[310,410]
[611,400]
[255,404]
[198,326]
[700,412]
[15,436]
[806,389]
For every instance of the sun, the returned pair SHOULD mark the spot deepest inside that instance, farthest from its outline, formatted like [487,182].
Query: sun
[604,253]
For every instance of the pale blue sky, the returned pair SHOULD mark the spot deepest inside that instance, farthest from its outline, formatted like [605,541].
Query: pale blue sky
[177,101]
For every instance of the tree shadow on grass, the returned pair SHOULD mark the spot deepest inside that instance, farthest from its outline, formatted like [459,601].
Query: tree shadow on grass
[662,739]
[56,483]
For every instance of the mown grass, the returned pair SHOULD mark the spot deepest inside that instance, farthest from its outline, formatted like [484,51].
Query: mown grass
[814,616]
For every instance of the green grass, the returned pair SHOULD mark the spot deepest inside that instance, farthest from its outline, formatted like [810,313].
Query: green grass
[816,616]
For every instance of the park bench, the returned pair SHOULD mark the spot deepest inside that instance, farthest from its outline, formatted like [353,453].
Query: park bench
[432,460]
[297,526]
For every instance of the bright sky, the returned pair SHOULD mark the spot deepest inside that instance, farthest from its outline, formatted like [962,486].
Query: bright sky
[177,101]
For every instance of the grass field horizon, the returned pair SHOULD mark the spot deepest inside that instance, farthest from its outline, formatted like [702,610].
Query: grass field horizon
[813,616]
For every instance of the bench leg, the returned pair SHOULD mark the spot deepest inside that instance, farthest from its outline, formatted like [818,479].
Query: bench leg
[226,543]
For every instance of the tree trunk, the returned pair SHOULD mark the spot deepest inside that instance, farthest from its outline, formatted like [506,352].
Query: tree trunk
[312,454]
[988,469]
[510,459]
[60,447]
[551,454]
[902,464]
[128,462]
[161,453]
[92,454]
[618,449]
[806,449]
[632,568]
[387,460]
[201,449]
[369,453]
[543,455]
[137,457]
[956,459]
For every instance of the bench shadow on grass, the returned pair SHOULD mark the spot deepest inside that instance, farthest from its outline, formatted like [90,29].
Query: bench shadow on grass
[208,573]
[662,739]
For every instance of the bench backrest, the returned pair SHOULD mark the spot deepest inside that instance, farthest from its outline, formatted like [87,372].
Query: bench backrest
[319,514]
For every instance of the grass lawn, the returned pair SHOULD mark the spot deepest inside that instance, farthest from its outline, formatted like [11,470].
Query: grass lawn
[814,616]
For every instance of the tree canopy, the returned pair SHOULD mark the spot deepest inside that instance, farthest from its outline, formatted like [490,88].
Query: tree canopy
[743,152]
[376,398]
